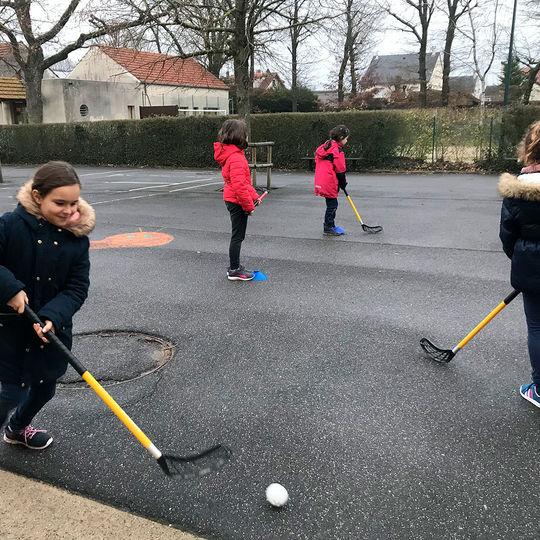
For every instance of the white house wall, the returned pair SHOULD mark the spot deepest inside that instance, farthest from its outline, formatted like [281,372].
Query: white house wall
[535,93]
[185,97]
[435,82]
[5,113]
[63,98]
[98,66]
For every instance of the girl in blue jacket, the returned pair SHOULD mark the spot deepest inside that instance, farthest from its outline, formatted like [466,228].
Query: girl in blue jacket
[520,236]
[43,263]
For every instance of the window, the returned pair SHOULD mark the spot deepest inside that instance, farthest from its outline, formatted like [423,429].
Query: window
[131,111]
[83,110]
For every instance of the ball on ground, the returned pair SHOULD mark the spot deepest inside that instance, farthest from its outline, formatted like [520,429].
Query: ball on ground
[276,495]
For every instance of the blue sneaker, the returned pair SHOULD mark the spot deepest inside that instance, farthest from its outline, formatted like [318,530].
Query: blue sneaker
[339,230]
[35,439]
[528,391]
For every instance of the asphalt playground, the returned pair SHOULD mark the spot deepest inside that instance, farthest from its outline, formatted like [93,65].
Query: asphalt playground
[313,378]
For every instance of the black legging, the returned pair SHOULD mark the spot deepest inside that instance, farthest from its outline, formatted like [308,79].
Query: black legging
[239,223]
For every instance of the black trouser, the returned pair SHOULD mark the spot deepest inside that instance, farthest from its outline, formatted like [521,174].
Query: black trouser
[27,401]
[239,220]
[330,214]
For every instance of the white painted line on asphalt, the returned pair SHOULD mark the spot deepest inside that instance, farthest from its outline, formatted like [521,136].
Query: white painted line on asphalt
[171,184]
[126,182]
[153,194]
[192,187]
[151,187]
[102,173]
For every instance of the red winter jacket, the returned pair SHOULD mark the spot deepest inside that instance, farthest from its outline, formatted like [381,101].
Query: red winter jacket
[235,172]
[327,164]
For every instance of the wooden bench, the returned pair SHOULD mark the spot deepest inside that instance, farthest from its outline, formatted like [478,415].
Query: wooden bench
[351,160]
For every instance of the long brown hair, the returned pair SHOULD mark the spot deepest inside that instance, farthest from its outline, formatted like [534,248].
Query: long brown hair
[529,148]
[52,175]
[337,134]
[234,132]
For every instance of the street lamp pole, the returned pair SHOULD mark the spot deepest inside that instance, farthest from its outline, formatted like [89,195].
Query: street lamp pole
[509,62]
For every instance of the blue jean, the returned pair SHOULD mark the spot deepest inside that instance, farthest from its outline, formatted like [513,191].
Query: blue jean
[27,401]
[330,214]
[531,304]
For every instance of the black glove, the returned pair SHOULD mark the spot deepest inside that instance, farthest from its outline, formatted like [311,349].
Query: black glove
[342,180]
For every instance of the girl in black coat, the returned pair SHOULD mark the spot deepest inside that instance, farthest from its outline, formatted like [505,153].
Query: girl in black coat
[520,236]
[43,263]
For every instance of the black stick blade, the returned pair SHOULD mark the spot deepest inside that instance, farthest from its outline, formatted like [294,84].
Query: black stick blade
[195,465]
[435,353]
[373,230]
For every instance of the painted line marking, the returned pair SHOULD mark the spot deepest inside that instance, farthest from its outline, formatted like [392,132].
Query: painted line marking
[170,185]
[155,194]
[102,173]
[191,187]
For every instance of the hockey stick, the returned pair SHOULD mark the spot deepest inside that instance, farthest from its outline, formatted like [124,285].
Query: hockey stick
[259,200]
[256,202]
[190,466]
[374,229]
[445,355]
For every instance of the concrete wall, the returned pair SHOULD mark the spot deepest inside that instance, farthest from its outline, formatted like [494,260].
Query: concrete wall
[98,66]
[185,97]
[535,93]
[6,116]
[435,82]
[95,65]
[63,98]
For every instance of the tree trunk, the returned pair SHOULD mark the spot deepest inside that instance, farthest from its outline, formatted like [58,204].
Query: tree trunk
[350,47]
[529,83]
[215,62]
[353,73]
[295,34]
[33,75]
[341,76]
[294,77]
[450,32]
[242,54]
[422,73]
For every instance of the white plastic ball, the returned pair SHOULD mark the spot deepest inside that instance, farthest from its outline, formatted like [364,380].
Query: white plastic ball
[276,495]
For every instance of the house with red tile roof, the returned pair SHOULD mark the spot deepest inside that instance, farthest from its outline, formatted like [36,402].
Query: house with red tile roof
[267,80]
[111,83]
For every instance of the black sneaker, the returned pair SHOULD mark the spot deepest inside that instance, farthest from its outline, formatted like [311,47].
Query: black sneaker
[240,274]
[331,232]
[35,439]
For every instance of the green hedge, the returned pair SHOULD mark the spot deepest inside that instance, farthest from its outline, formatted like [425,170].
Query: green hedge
[382,138]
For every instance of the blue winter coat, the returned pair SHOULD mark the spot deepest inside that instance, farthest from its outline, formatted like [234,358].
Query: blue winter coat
[52,265]
[520,229]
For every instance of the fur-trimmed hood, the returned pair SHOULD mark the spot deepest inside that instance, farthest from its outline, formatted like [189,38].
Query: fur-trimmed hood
[82,227]
[524,186]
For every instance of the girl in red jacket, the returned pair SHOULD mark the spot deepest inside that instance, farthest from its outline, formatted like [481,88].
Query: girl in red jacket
[238,193]
[330,175]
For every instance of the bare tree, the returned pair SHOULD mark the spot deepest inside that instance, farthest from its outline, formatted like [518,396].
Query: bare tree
[483,24]
[424,10]
[528,49]
[456,8]
[352,33]
[299,16]
[531,78]
[245,23]
[29,40]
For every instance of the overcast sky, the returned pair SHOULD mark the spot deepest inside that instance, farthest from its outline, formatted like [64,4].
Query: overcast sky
[389,41]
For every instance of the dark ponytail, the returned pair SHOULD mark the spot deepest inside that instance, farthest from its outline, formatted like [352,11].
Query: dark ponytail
[337,134]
